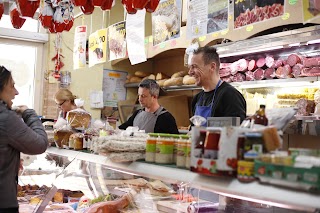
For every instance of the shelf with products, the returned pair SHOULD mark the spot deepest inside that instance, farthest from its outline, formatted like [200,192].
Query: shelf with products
[302,81]
[266,194]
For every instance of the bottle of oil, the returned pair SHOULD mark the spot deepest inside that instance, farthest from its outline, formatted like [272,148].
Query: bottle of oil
[260,116]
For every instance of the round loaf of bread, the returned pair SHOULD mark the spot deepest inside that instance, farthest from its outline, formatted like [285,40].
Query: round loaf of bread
[141,74]
[161,82]
[189,80]
[135,79]
[179,74]
[173,82]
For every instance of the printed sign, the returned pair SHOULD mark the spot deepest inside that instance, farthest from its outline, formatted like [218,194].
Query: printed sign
[166,21]
[113,87]
[97,47]
[253,11]
[117,40]
[79,47]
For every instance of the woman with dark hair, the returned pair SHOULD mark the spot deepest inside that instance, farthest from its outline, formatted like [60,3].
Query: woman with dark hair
[20,131]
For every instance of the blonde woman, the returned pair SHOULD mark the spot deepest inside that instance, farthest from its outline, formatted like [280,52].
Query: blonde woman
[65,101]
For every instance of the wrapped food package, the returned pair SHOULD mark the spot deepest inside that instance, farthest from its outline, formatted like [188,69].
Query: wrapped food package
[305,107]
[79,118]
[61,137]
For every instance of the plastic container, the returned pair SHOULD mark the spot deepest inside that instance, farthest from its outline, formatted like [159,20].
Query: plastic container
[181,152]
[164,150]
[188,153]
[151,148]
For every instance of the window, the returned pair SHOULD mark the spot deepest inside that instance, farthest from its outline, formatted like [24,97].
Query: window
[25,60]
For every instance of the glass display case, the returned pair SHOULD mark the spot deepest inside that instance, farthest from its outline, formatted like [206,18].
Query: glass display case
[73,181]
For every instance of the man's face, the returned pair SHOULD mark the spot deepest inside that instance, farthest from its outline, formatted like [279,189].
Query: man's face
[200,71]
[145,98]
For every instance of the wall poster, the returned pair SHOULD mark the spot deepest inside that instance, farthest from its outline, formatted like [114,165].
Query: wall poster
[166,21]
[206,16]
[117,41]
[311,10]
[113,87]
[97,47]
[79,47]
[253,11]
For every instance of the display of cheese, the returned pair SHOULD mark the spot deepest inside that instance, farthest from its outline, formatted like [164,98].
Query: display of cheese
[78,118]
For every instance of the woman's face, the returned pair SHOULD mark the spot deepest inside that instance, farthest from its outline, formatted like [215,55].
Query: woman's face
[9,92]
[64,105]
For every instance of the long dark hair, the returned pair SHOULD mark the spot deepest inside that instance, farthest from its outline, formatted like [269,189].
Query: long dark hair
[5,76]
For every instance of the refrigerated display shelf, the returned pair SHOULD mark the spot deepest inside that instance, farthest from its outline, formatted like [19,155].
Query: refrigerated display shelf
[266,194]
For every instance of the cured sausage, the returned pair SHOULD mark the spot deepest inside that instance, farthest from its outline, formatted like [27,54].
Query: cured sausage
[252,65]
[261,62]
[269,73]
[293,59]
[296,70]
[258,74]
[270,61]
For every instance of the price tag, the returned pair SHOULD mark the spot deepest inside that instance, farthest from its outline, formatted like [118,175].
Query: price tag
[285,16]
[162,45]
[150,39]
[173,43]
[224,32]
[215,34]
[202,38]
[293,2]
[146,41]
[249,28]
[239,1]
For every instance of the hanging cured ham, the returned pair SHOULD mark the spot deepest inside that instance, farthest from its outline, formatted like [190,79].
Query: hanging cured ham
[27,8]
[88,8]
[46,16]
[107,5]
[152,5]
[16,20]
[1,9]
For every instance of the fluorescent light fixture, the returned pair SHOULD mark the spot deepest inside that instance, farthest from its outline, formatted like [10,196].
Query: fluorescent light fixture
[294,44]
[249,51]
[314,41]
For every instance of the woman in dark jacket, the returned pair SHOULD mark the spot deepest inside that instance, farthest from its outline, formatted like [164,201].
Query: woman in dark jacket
[20,131]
